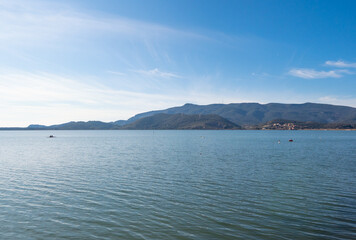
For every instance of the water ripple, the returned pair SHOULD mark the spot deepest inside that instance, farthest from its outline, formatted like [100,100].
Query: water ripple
[177,185]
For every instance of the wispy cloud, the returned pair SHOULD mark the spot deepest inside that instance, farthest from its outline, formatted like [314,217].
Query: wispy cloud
[48,98]
[313,74]
[37,20]
[116,73]
[45,98]
[340,64]
[157,73]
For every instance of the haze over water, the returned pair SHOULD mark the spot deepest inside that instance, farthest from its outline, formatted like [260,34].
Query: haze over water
[178,185]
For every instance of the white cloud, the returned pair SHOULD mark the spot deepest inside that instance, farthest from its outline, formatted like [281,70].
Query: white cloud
[340,64]
[313,74]
[157,73]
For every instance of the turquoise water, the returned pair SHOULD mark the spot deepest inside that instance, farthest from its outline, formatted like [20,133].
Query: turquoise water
[178,185]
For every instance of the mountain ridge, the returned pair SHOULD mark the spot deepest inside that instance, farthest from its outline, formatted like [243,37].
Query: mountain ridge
[255,113]
[224,116]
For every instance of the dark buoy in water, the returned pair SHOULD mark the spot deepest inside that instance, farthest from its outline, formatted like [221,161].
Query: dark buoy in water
[290,140]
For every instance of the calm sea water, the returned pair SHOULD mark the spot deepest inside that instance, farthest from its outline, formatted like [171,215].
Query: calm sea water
[178,185]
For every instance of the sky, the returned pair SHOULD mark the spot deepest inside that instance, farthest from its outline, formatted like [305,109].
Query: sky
[107,60]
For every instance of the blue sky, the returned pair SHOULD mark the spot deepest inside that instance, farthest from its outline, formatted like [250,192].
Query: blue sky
[108,60]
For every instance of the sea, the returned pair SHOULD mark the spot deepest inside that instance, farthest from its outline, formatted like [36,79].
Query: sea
[187,184]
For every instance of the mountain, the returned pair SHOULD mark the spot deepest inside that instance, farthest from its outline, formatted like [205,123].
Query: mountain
[158,121]
[226,116]
[255,113]
[181,121]
[91,125]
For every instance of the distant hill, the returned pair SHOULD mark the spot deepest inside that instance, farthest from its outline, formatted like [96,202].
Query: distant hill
[91,125]
[36,126]
[181,121]
[158,121]
[255,113]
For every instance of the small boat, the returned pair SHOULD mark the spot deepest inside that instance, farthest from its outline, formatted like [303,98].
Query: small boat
[290,140]
[51,136]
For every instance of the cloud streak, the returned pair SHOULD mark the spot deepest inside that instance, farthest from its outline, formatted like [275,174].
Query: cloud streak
[340,64]
[157,73]
[116,73]
[313,74]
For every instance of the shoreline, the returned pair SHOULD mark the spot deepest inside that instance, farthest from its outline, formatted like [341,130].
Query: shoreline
[26,129]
